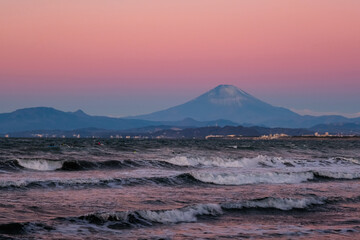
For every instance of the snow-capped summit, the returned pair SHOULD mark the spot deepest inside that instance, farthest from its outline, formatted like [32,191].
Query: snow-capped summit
[227,95]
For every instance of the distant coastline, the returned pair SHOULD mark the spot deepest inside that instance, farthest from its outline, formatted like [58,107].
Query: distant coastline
[223,110]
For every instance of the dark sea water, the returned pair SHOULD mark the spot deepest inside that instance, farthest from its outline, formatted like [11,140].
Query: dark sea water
[179,189]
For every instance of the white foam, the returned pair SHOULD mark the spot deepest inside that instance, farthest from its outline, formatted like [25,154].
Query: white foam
[278,203]
[259,161]
[190,213]
[252,178]
[40,164]
[224,162]
[54,181]
[187,214]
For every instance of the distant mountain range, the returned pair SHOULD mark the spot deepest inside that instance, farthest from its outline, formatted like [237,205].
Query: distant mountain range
[338,128]
[222,106]
[44,118]
[229,102]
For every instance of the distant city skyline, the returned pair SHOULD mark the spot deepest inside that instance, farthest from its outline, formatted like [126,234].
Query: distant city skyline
[121,58]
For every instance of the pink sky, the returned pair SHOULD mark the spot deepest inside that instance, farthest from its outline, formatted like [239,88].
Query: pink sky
[163,51]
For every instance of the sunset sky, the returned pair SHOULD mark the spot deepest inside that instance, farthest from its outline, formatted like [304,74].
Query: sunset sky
[126,57]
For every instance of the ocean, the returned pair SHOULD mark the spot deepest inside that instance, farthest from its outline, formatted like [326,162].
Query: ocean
[179,189]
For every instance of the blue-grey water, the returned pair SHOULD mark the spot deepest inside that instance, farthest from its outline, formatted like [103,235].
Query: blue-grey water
[179,189]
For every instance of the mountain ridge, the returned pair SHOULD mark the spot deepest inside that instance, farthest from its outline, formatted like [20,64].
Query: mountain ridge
[224,105]
[232,103]
[47,118]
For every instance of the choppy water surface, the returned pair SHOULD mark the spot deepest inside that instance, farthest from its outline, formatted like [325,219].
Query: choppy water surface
[179,189]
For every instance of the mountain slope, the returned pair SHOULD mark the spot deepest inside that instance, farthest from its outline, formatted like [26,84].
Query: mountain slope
[49,119]
[229,102]
[226,102]
[44,118]
[224,105]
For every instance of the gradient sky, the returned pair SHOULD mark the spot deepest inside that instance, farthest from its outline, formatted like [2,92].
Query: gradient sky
[125,57]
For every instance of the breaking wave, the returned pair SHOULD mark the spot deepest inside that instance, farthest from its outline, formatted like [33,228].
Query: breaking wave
[252,178]
[78,165]
[221,162]
[149,217]
[284,204]
[146,218]
[271,177]
[143,218]
[192,178]
[181,179]
[258,161]
[337,175]
[40,164]
[126,219]
[176,162]
[187,214]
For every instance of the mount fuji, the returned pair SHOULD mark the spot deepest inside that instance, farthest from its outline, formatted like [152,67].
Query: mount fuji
[226,102]
[231,103]
[225,105]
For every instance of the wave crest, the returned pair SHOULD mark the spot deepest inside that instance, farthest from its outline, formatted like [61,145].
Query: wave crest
[284,204]
[220,162]
[78,165]
[200,177]
[40,164]
[259,161]
[252,178]
[181,179]
[148,217]
[337,175]
[125,219]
